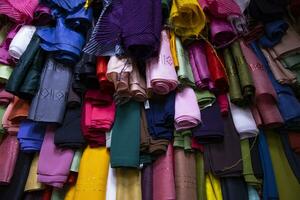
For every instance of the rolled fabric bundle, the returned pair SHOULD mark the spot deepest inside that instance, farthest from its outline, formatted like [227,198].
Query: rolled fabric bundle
[247,165]
[256,158]
[101,69]
[252,193]
[212,128]
[31,135]
[5,73]
[243,121]
[285,191]
[223,103]
[186,117]
[221,32]
[5,97]
[216,69]
[141,36]
[9,148]
[21,40]
[185,175]
[183,140]
[91,181]
[5,123]
[111,184]
[213,187]
[76,161]
[163,176]
[160,117]
[15,190]
[230,148]
[64,43]
[98,116]
[200,176]
[8,33]
[53,92]
[126,153]
[205,98]
[108,139]
[294,139]
[173,48]
[137,86]
[162,76]
[32,183]
[234,188]
[187,17]
[49,172]
[220,8]
[265,95]
[147,144]
[147,183]
[274,31]
[199,65]
[184,72]
[128,184]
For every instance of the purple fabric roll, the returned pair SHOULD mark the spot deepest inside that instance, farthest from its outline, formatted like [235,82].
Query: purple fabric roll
[54,163]
[147,183]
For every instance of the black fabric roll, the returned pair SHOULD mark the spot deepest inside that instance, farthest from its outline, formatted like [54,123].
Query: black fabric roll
[255,158]
[234,189]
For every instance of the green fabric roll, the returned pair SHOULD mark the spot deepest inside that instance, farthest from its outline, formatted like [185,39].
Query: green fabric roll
[185,74]
[201,192]
[247,165]
[5,72]
[205,98]
[58,194]
[287,184]
[125,141]
[183,140]
[235,91]
[245,78]
[76,161]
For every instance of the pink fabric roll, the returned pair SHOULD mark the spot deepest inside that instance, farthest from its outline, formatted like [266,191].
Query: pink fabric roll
[187,111]
[220,8]
[54,163]
[223,103]
[265,95]
[221,32]
[9,148]
[161,71]
[163,177]
[5,97]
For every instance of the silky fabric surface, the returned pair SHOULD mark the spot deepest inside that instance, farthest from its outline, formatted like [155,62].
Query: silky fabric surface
[9,148]
[187,18]
[53,92]
[111,190]
[32,183]
[270,190]
[292,190]
[101,69]
[15,190]
[147,183]
[213,187]
[126,153]
[48,171]
[186,117]
[200,176]
[234,188]
[243,121]
[31,135]
[163,176]
[185,175]
[162,74]
[173,49]
[230,149]
[21,40]
[128,184]
[294,139]
[212,128]
[160,117]
[221,32]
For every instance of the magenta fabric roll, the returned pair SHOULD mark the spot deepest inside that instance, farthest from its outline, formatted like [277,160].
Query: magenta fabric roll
[223,103]
[221,32]
[54,163]
[161,71]
[5,58]
[265,94]
[163,176]
[220,8]
[199,65]
[187,111]
[9,148]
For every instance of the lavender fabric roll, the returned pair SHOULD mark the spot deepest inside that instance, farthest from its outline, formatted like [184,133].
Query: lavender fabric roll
[212,129]
[186,117]
[221,32]
[54,163]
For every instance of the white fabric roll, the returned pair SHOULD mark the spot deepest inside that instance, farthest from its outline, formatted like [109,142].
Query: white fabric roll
[108,139]
[21,40]
[111,186]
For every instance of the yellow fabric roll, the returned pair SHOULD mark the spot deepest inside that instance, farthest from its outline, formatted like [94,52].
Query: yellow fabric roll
[70,193]
[93,172]
[32,183]
[187,18]
[213,188]
[128,184]
[173,49]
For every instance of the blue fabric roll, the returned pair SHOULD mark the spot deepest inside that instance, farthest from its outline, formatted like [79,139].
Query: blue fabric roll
[160,117]
[270,188]
[80,20]
[288,104]
[31,135]
[273,33]
[252,193]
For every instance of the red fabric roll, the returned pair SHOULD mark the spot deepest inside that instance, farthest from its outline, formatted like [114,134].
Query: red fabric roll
[105,84]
